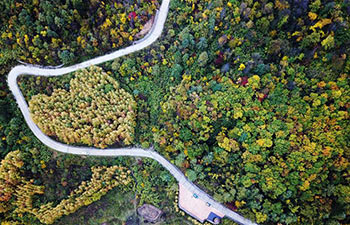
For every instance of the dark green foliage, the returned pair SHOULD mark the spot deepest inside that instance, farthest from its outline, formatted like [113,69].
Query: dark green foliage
[249,98]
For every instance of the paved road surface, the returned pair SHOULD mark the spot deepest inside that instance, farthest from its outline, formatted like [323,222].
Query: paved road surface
[149,153]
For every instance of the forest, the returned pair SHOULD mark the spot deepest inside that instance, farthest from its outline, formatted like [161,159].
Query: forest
[250,99]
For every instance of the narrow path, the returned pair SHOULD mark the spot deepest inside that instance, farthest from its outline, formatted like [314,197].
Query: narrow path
[149,153]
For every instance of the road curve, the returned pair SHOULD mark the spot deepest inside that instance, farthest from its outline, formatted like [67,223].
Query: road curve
[148,153]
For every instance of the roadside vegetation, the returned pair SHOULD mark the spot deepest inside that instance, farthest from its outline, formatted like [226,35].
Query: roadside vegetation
[95,111]
[250,99]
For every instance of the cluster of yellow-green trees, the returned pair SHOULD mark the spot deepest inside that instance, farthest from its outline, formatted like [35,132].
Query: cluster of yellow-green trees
[95,111]
[16,198]
[103,180]
[14,186]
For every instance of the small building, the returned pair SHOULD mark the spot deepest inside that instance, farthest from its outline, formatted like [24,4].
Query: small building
[213,218]
[149,213]
[197,208]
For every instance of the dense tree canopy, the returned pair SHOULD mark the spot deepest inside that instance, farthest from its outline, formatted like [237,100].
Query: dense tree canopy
[249,98]
[95,111]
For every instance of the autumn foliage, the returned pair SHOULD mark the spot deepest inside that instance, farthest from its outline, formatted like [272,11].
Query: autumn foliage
[249,98]
[17,192]
[103,180]
[95,111]
[281,147]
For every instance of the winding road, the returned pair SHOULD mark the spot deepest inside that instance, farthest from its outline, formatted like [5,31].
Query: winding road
[151,37]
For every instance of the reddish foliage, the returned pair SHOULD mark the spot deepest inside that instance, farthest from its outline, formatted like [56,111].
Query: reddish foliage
[132,15]
[5,196]
[262,98]
[186,164]
[220,59]
[244,81]
[231,205]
